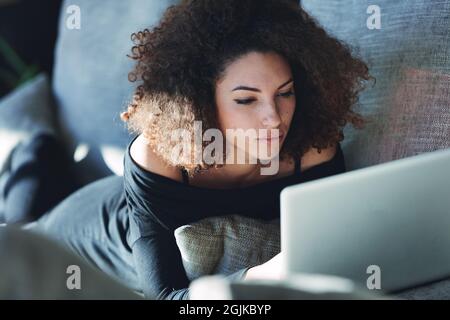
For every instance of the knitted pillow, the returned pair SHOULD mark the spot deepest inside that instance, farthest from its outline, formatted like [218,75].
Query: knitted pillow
[223,245]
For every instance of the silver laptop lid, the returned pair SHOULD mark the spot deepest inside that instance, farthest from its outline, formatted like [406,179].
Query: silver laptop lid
[395,216]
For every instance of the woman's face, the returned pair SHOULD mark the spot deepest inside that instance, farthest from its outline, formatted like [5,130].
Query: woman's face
[257,92]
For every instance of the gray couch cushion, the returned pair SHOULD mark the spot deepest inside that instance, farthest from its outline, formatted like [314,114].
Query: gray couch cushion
[438,290]
[26,111]
[410,104]
[91,77]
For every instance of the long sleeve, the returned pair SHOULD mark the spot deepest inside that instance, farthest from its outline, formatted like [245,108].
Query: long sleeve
[159,267]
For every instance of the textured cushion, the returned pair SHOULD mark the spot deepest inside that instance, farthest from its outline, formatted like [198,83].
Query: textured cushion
[435,291]
[90,79]
[223,245]
[409,106]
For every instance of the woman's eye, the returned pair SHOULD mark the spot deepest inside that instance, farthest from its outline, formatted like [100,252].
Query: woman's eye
[250,100]
[287,94]
[244,101]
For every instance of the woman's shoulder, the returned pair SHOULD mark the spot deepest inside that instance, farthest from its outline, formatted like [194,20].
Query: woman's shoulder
[142,154]
[313,158]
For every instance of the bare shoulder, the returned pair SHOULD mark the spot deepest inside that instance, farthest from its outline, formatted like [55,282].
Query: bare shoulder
[313,157]
[144,156]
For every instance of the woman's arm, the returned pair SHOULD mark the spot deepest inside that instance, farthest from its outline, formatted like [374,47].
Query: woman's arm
[159,267]
[270,270]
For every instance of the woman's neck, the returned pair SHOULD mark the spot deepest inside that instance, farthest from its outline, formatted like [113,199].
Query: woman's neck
[238,175]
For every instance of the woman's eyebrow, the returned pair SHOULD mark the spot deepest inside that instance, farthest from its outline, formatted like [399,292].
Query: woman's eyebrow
[257,90]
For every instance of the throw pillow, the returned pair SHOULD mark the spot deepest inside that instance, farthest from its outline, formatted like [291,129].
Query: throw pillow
[223,245]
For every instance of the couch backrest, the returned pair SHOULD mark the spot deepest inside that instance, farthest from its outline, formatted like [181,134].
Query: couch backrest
[90,80]
[410,58]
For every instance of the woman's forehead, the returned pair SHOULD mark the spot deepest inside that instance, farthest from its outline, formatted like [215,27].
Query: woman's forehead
[255,69]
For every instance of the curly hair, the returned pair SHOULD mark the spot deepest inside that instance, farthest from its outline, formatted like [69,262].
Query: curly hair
[180,60]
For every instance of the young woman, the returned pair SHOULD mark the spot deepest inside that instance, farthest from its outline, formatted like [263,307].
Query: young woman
[231,64]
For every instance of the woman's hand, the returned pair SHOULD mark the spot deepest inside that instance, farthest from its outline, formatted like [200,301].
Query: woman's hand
[270,270]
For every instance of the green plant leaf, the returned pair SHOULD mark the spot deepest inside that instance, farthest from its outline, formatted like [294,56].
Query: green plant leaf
[11,56]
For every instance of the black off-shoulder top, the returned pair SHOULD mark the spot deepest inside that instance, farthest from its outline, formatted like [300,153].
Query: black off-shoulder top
[125,225]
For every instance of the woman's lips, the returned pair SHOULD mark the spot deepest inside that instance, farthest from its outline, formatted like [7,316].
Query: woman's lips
[279,137]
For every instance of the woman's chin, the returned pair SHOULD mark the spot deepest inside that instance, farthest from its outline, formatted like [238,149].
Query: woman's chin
[266,159]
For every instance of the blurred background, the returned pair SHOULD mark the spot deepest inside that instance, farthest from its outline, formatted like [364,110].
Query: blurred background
[28,32]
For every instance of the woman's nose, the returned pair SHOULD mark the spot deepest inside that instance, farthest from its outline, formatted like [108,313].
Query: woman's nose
[270,116]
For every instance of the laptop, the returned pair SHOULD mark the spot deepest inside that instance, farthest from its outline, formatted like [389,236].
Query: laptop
[390,220]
